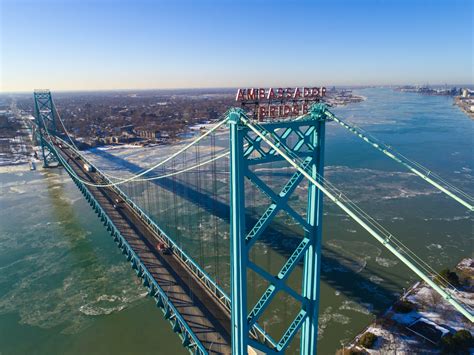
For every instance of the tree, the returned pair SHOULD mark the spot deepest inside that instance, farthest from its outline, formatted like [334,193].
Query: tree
[457,343]
[448,275]
[367,340]
[403,306]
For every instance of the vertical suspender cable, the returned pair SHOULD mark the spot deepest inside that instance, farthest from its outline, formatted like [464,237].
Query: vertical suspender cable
[213,215]
[175,203]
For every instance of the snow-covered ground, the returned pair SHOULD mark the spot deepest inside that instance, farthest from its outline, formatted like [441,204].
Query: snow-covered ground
[391,329]
[16,150]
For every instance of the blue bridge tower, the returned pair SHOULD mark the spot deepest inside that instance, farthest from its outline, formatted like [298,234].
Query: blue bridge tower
[45,116]
[247,151]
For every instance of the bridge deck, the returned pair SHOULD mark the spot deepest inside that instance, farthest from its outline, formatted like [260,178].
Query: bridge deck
[204,315]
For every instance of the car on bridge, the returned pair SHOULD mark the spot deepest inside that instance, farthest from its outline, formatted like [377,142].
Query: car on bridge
[163,248]
[89,168]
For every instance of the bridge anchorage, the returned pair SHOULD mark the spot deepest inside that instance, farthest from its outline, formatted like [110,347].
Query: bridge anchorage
[207,319]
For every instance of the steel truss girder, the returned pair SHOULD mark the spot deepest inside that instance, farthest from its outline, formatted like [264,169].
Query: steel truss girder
[273,158]
[279,201]
[292,330]
[279,280]
[309,134]
[254,143]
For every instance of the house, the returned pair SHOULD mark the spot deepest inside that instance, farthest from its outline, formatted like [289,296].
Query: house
[148,134]
[428,330]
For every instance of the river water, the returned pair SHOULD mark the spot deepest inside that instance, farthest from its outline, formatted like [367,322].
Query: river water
[65,287]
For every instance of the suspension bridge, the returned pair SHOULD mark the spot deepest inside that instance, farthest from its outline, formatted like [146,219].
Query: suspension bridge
[225,188]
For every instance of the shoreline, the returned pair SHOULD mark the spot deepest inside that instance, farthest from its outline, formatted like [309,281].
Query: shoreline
[16,147]
[463,106]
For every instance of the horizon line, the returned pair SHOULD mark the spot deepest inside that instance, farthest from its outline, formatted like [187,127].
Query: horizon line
[225,88]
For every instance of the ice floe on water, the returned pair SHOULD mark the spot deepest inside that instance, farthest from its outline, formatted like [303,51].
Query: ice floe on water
[107,304]
[449,219]
[434,246]
[365,183]
[329,316]
[385,262]
[66,303]
[57,262]
[14,168]
[17,190]
[364,308]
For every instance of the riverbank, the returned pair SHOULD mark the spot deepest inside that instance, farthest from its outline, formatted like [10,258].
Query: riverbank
[419,320]
[15,142]
[16,146]
[465,105]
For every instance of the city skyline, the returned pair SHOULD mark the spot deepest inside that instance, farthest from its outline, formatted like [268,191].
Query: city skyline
[105,45]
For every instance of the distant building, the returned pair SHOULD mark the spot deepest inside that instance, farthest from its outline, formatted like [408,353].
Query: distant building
[148,134]
[465,93]
[124,129]
[110,140]
[128,135]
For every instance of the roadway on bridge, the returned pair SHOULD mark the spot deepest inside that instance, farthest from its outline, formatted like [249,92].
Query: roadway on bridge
[204,315]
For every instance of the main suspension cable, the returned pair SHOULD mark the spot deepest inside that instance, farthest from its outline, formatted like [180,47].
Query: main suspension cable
[136,176]
[74,147]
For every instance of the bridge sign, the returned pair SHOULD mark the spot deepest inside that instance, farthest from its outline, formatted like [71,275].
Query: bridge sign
[268,103]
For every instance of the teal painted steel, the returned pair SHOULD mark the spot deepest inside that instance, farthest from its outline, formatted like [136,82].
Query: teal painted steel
[50,158]
[45,118]
[312,260]
[238,249]
[250,150]
[291,332]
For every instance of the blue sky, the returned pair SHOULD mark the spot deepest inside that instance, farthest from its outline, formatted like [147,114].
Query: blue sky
[88,45]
